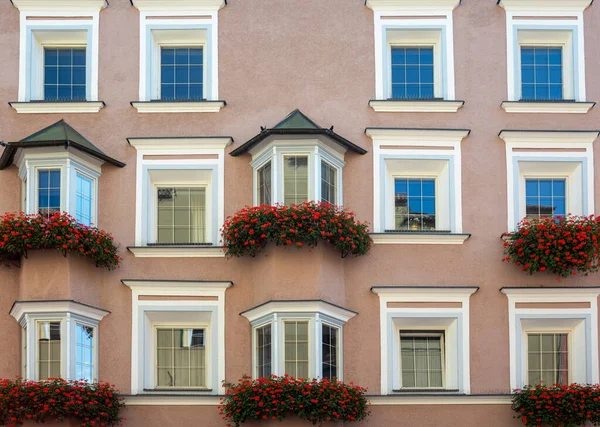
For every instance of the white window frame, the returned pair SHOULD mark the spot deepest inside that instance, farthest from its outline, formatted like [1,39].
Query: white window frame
[418,153]
[200,155]
[453,321]
[70,162]
[428,334]
[147,314]
[44,25]
[549,154]
[548,330]
[580,322]
[316,151]
[69,314]
[316,313]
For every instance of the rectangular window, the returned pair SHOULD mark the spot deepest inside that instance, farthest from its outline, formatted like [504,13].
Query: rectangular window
[412,73]
[545,197]
[263,351]
[329,186]
[414,204]
[422,360]
[541,73]
[296,349]
[181,74]
[264,185]
[49,351]
[84,359]
[48,192]
[181,358]
[330,351]
[83,209]
[295,179]
[181,215]
[548,358]
[64,74]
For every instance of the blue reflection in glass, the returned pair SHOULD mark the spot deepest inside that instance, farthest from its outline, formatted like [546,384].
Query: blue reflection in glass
[412,73]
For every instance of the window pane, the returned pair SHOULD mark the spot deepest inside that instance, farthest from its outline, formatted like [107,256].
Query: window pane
[83,209]
[415,207]
[421,360]
[49,350]
[181,216]
[296,348]
[263,351]
[84,343]
[65,74]
[541,73]
[548,358]
[180,358]
[295,179]
[328,183]
[329,351]
[48,192]
[412,73]
[264,185]
[181,74]
[545,197]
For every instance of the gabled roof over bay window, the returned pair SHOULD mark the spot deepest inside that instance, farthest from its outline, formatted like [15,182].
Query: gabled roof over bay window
[296,161]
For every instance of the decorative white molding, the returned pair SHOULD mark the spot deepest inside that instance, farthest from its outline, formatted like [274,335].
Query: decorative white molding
[425,294]
[412,5]
[415,136]
[177,251]
[397,106]
[419,239]
[176,287]
[170,5]
[59,5]
[178,107]
[428,399]
[548,138]
[315,306]
[21,308]
[57,107]
[570,294]
[171,400]
[537,6]
[547,107]
[179,145]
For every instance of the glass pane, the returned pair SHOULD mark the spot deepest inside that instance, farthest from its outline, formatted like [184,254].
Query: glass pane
[181,214]
[65,74]
[541,73]
[181,74]
[412,73]
[295,179]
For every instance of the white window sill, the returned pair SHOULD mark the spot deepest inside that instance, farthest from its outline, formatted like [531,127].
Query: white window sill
[177,251]
[440,399]
[547,107]
[415,106]
[51,107]
[417,238]
[178,106]
[172,400]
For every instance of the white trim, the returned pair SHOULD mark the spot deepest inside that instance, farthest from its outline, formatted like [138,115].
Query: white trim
[565,6]
[397,106]
[21,308]
[171,5]
[179,107]
[57,107]
[180,146]
[412,6]
[535,139]
[429,399]
[431,136]
[60,5]
[333,311]
[171,400]
[419,239]
[547,107]
[177,252]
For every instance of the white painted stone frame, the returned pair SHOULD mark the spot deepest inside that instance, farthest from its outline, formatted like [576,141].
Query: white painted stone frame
[455,321]
[582,324]
[139,329]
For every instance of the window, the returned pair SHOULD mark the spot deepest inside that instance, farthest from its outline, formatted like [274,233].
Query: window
[545,197]
[417,186]
[84,199]
[329,185]
[59,339]
[181,74]
[330,351]
[553,335]
[181,215]
[412,72]
[49,192]
[49,350]
[264,184]
[548,173]
[64,74]
[295,179]
[180,359]
[541,73]
[414,204]
[59,57]
[178,57]
[284,341]
[424,338]
[179,340]
[263,351]
[548,358]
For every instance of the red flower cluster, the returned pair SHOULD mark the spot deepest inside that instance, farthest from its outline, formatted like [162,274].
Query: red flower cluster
[275,397]
[93,405]
[562,246]
[22,233]
[557,405]
[250,229]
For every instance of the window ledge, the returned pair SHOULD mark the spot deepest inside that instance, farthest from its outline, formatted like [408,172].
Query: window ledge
[177,251]
[178,106]
[547,107]
[168,399]
[51,107]
[419,238]
[415,106]
[441,399]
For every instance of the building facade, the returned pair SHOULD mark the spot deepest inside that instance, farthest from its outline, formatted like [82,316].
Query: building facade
[441,123]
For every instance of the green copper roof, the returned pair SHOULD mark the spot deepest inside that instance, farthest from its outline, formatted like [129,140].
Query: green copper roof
[58,134]
[296,120]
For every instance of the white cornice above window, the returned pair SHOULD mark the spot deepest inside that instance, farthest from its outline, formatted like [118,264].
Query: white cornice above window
[21,308]
[170,5]
[412,5]
[417,135]
[70,6]
[566,138]
[540,6]
[178,144]
[308,306]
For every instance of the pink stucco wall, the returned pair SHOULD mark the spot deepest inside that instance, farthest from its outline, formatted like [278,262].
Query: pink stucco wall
[275,56]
